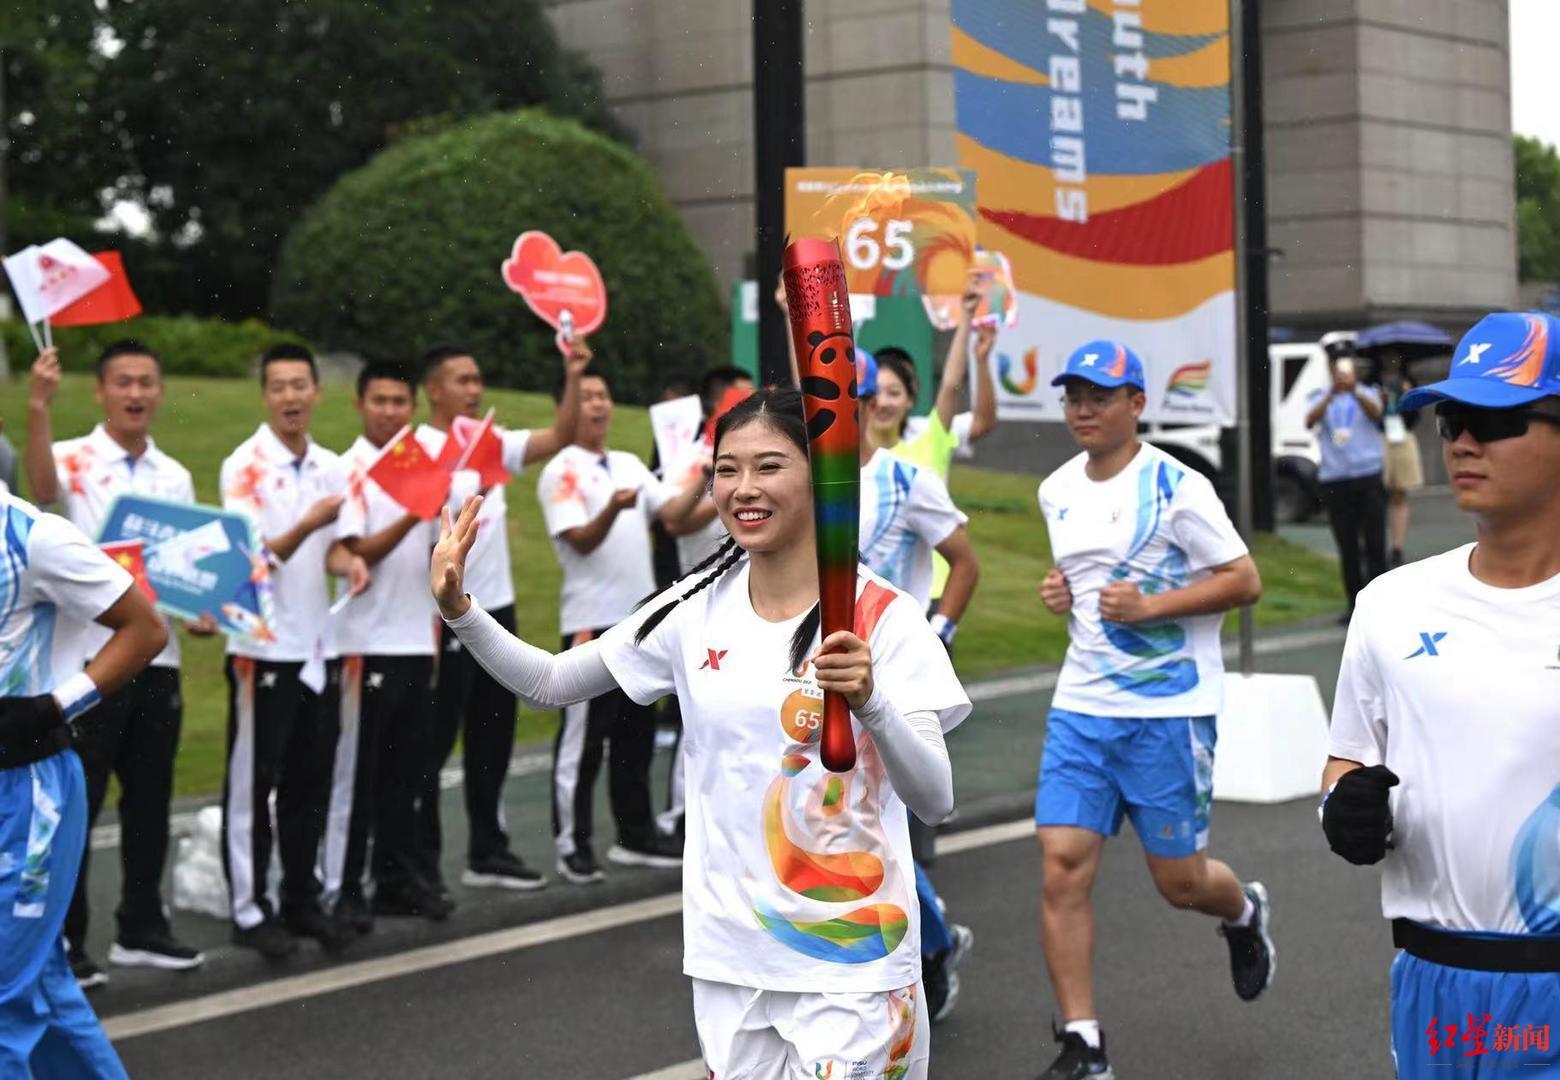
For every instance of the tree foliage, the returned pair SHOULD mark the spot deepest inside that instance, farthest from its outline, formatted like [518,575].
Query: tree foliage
[226,121]
[1538,210]
[405,252]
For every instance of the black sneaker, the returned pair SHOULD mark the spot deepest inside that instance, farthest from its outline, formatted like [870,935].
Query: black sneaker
[270,939]
[1078,1060]
[159,949]
[310,922]
[580,867]
[502,871]
[657,851]
[412,900]
[935,980]
[88,975]
[1252,956]
[352,911]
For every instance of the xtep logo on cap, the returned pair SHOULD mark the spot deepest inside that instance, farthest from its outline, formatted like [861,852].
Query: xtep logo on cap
[1476,352]
[715,657]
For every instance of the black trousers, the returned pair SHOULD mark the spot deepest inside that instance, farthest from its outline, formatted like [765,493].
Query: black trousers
[132,734]
[387,720]
[1357,511]
[281,738]
[625,731]
[469,700]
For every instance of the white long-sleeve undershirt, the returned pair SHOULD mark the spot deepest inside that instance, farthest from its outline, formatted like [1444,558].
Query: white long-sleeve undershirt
[915,757]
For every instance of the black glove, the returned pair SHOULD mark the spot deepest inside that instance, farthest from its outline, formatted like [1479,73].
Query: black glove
[31,729]
[1357,816]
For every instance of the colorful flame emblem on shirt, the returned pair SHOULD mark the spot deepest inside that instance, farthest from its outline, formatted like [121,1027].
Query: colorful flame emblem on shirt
[855,872]
[1021,384]
[1189,380]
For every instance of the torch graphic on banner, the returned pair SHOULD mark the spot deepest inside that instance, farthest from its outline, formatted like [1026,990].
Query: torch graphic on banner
[819,308]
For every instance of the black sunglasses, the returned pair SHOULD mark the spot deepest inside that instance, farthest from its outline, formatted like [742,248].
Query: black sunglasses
[1487,425]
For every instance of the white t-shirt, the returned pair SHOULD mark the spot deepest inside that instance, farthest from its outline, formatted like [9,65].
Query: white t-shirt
[794,879]
[1157,524]
[1454,685]
[53,584]
[263,479]
[93,470]
[395,615]
[905,514]
[601,588]
[488,577]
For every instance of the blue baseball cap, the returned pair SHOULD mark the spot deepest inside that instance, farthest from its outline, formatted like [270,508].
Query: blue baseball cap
[1508,359]
[1103,363]
[866,373]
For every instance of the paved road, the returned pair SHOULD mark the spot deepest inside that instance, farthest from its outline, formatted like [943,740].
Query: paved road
[612,1004]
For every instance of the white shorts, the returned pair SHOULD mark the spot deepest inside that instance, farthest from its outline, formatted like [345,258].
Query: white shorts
[748,1034]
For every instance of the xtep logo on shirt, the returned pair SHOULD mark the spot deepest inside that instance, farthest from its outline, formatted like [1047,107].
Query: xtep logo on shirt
[715,657]
[1427,645]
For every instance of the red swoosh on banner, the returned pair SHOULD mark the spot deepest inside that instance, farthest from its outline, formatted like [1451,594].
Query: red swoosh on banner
[1189,222]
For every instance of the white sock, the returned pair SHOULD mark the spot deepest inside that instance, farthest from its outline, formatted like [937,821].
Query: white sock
[1088,1029]
[1245,916]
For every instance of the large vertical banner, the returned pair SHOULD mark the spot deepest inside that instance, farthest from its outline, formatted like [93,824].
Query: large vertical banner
[1100,131]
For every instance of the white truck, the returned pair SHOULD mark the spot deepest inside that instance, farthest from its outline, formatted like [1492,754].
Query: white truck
[1297,370]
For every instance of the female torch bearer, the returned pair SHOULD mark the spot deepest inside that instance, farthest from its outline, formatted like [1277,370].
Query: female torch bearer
[819,308]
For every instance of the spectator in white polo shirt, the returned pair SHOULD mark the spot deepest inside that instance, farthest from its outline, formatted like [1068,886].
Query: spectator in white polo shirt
[472,705]
[134,734]
[282,720]
[598,504]
[387,641]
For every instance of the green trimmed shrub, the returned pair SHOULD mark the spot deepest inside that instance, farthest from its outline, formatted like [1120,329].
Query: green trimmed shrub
[405,252]
[187,345]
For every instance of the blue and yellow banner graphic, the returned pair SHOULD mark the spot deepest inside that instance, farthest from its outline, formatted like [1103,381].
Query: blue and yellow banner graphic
[1100,132]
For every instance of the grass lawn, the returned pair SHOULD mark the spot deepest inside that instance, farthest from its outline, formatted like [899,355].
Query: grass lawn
[202,420]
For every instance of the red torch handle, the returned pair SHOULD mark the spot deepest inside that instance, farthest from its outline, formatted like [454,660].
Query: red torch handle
[836,746]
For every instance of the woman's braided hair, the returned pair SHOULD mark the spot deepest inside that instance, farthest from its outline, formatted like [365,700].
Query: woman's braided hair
[782,411]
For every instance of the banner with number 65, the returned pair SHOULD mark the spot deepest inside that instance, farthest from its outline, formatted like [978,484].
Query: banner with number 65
[901,233]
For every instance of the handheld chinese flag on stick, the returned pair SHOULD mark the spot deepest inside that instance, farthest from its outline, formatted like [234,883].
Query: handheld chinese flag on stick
[819,308]
[410,477]
[132,556]
[112,301]
[481,449]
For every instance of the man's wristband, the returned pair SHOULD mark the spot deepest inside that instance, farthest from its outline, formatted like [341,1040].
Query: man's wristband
[944,627]
[76,695]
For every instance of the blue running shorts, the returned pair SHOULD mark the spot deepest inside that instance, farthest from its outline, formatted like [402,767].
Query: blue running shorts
[1462,1025]
[1158,771]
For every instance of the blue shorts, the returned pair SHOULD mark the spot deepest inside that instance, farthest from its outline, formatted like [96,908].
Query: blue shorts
[1098,769]
[46,1026]
[1457,1023]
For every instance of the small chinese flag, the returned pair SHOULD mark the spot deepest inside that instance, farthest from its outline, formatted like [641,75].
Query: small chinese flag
[410,477]
[481,449]
[130,555]
[733,397]
[112,301]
